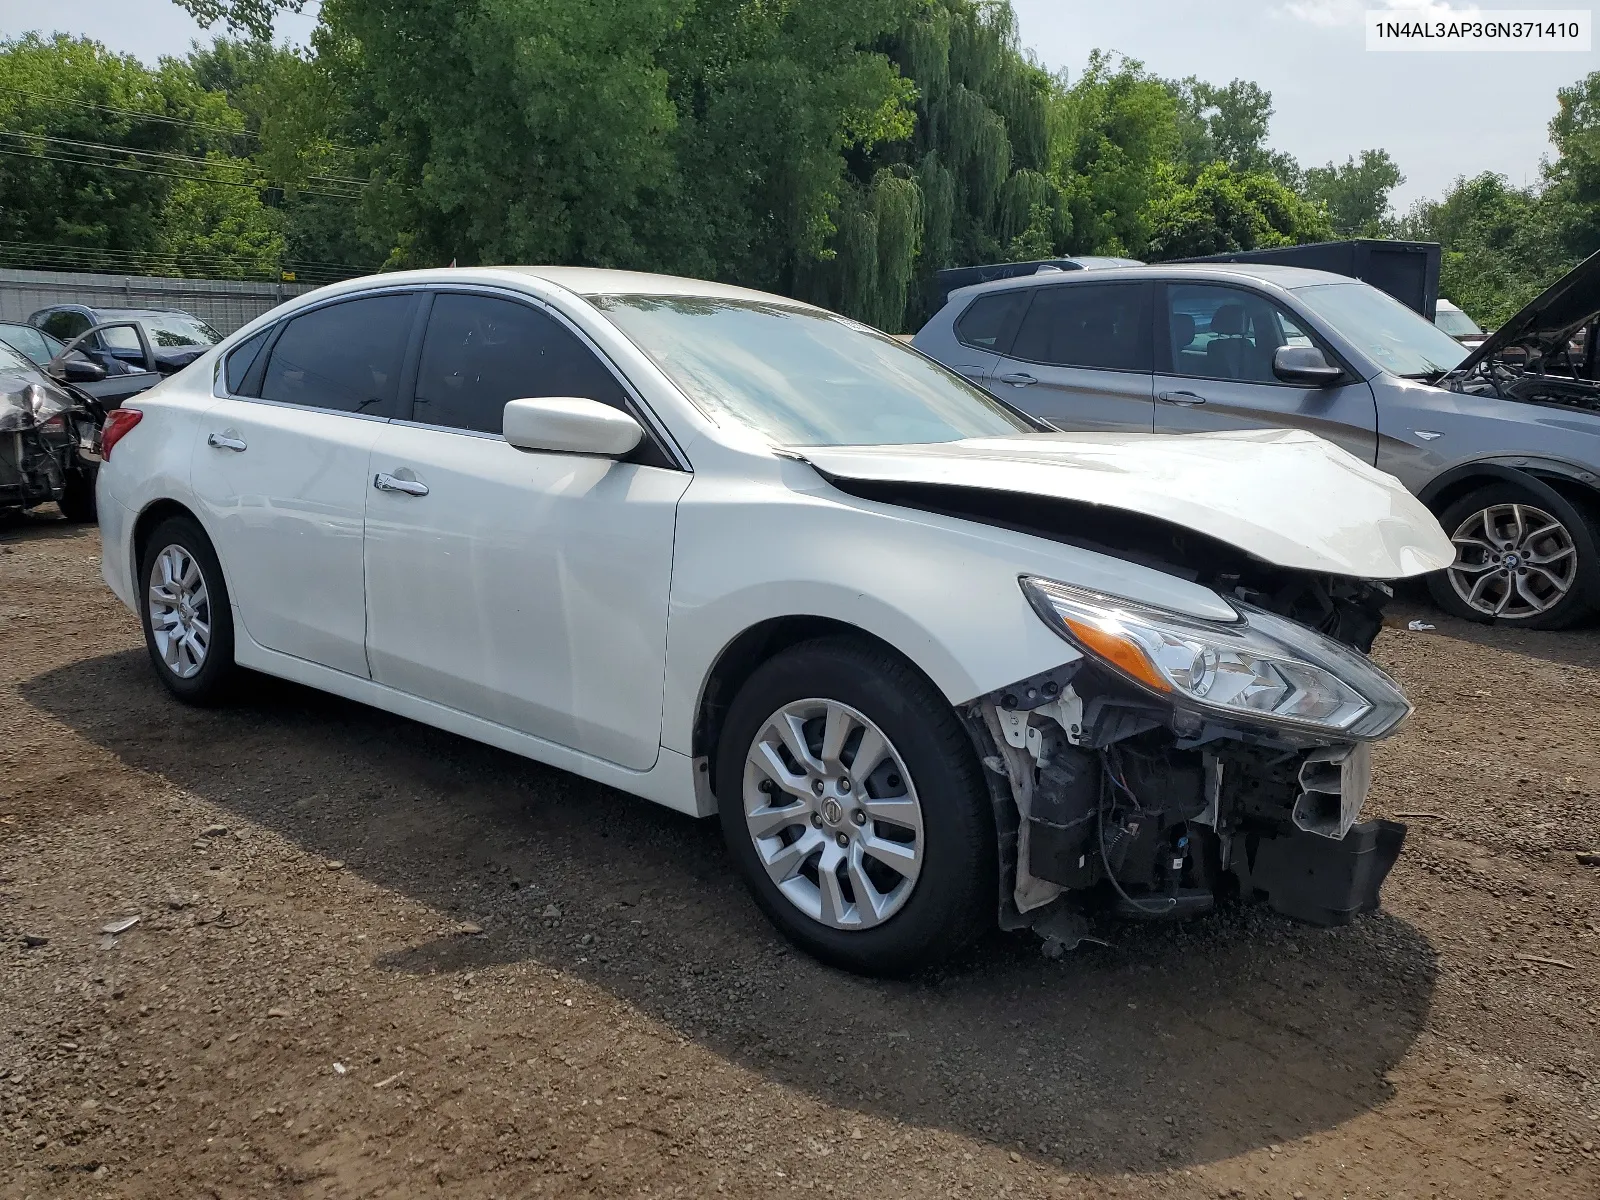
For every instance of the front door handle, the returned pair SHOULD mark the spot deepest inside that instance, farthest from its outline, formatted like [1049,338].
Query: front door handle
[1182,399]
[1019,379]
[226,441]
[388,483]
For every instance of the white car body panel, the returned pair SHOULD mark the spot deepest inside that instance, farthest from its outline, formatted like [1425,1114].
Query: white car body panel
[287,513]
[583,637]
[1305,504]
[529,589]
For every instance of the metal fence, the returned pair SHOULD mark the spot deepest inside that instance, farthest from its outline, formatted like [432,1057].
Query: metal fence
[224,304]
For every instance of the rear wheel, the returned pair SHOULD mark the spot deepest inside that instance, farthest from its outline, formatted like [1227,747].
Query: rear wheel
[1522,558]
[188,624]
[852,803]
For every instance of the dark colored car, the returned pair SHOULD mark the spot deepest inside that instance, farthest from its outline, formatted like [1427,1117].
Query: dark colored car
[37,346]
[177,337]
[49,431]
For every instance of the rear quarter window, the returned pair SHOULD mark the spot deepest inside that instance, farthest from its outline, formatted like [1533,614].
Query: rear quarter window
[989,321]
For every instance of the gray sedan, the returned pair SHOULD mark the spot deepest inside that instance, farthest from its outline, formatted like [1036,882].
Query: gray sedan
[1502,443]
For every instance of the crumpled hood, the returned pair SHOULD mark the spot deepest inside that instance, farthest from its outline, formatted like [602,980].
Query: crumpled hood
[1283,495]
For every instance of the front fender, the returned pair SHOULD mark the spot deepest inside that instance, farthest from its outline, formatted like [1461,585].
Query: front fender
[941,591]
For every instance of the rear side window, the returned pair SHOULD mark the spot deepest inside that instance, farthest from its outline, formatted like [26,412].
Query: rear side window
[1101,325]
[988,321]
[346,357]
[481,351]
[64,325]
[240,359]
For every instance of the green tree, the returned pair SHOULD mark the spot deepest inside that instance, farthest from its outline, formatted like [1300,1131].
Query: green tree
[1226,210]
[1356,194]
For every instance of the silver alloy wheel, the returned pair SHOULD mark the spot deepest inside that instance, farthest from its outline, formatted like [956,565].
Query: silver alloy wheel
[1513,561]
[180,611]
[833,814]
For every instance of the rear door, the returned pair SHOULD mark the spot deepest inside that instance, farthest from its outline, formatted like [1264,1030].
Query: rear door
[1216,346]
[982,331]
[1081,358]
[281,471]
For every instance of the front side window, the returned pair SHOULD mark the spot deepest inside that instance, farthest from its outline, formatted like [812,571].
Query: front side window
[481,351]
[121,337]
[1403,342]
[1227,333]
[988,321]
[344,357]
[799,377]
[1103,325]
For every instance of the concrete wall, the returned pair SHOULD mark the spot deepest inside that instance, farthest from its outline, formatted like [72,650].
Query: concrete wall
[224,304]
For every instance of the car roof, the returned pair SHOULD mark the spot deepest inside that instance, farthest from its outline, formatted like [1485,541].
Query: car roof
[1270,273]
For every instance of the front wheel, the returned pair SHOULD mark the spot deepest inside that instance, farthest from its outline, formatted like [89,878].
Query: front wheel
[1525,559]
[851,800]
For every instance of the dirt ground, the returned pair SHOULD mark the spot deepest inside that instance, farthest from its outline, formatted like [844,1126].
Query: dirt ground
[377,960]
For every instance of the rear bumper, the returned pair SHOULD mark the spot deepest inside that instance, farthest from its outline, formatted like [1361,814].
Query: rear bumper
[116,542]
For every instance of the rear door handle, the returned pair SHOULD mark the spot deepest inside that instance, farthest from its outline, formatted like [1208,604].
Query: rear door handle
[388,483]
[1183,399]
[226,441]
[1019,379]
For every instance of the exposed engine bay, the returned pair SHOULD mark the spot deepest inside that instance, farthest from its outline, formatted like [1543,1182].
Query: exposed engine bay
[1107,802]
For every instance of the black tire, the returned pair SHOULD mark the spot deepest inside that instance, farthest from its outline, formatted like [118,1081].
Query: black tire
[213,682]
[77,496]
[953,898]
[1578,526]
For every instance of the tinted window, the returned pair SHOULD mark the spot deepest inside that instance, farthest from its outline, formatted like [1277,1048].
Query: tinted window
[65,325]
[241,358]
[989,320]
[345,357]
[481,351]
[1088,325]
[1227,333]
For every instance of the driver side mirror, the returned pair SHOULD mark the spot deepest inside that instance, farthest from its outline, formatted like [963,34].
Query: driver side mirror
[74,366]
[1304,365]
[570,425]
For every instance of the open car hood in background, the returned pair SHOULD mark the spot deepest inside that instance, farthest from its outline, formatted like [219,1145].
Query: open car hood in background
[1550,319]
[1284,496]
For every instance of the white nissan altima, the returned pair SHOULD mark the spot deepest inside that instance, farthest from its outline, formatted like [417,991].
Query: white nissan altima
[933,666]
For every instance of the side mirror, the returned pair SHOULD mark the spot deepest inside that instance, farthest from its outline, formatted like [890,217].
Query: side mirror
[570,425]
[1304,365]
[77,367]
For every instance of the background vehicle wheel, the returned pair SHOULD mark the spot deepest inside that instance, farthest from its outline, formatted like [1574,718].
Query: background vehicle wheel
[77,497]
[188,624]
[853,805]
[1522,558]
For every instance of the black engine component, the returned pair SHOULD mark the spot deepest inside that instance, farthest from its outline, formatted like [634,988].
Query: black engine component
[1322,881]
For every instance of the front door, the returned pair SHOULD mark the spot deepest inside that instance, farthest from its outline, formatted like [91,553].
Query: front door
[281,471]
[529,589]
[1219,343]
[1081,358]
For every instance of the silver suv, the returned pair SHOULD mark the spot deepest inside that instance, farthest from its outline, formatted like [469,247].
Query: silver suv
[1502,442]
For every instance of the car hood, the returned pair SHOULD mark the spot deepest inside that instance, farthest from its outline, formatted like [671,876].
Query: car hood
[1284,496]
[1550,319]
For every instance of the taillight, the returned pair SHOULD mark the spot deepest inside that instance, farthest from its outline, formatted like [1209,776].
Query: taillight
[118,422]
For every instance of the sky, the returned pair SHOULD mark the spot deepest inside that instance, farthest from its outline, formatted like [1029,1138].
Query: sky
[1438,115]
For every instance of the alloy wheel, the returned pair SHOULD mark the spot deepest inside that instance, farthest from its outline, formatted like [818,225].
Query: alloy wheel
[833,814]
[1513,561]
[180,611]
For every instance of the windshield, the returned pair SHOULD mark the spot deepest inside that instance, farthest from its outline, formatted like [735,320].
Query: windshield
[1456,323]
[805,378]
[164,329]
[10,360]
[1400,340]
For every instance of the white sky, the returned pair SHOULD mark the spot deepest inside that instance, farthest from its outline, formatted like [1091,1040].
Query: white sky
[1439,115]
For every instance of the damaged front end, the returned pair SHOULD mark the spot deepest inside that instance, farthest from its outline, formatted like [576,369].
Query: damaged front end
[1176,761]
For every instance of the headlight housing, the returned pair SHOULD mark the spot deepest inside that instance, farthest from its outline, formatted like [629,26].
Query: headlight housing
[1261,668]
[30,405]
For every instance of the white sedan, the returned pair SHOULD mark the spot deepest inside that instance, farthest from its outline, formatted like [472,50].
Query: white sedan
[933,667]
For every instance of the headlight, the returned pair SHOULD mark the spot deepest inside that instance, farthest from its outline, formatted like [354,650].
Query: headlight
[1261,668]
[30,405]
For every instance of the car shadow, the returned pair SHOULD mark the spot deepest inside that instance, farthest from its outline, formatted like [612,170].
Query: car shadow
[1175,1045]
[1576,647]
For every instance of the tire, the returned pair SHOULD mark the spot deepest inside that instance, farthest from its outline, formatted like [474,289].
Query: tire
[1543,574]
[77,497]
[949,894]
[173,546]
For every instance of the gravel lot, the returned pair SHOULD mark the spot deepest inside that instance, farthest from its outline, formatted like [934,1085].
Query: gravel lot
[377,960]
